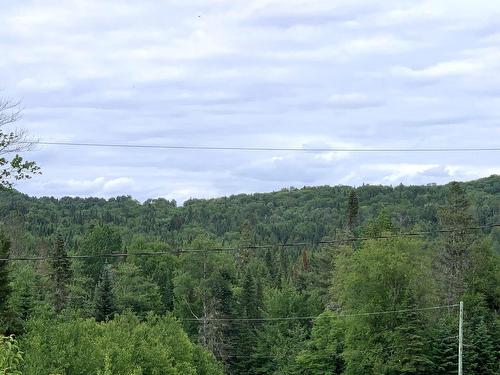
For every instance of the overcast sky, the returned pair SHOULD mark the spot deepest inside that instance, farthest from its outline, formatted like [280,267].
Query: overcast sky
[284,73]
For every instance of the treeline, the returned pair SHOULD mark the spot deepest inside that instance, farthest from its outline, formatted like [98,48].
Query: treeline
[260,310]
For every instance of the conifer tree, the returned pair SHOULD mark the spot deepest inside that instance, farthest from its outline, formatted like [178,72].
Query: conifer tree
[247,329]
[352,210]
[60,274]
[413,356]
[104,304]
[168,296]
[444,347]
[4,279]
[480,355]
[246,241]
[455,255]
[220,336]
[248,297]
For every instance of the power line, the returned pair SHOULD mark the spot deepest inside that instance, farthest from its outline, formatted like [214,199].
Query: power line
[253,247]
[278,356]
[264,148]
[314,317]
[294,355]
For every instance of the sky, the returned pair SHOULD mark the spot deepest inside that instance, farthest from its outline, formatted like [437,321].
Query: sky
[251,73]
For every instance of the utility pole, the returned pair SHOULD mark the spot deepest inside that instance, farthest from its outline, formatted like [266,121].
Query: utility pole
[460,338]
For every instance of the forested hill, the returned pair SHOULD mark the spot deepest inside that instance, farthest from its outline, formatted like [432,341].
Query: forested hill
[367,300]
[307,214]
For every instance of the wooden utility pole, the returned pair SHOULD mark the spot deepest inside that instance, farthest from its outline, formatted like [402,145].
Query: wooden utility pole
[460,338]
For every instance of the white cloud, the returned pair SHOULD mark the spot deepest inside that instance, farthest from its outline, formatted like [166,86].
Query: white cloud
[473,62]
[354,100]
[399,171]
[118,184]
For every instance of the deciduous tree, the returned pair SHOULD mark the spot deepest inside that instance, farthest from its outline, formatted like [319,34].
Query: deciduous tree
[12,165]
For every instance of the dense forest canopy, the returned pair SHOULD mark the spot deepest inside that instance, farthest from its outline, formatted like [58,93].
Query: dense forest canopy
[289,298]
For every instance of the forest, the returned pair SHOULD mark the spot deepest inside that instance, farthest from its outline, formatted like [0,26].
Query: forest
[312,280]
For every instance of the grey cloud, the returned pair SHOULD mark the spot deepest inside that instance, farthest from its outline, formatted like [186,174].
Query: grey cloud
[286,74]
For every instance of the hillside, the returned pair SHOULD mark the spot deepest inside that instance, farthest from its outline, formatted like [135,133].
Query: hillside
[306,214]
[348,294]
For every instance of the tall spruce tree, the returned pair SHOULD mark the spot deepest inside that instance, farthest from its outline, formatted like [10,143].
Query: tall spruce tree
[4,280]
[352,210]
[481,353]
[455,254]
[444,346]
[60,274]
[247,330]
[104,303]
[412,354]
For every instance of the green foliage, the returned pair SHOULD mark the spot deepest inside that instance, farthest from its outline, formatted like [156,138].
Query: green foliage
[104,299]
[159,269]
[481,351]
[211,291]
[121,346]
[279,342]
[483,276]
[13,167]
[411,348]
[352,210]
[455,253]
[246,331]
[26,297]
[11,357]
[379,225]
[133,290]
[384,276]
[444,352]
[323,353]
[203,289]
[16,168]
[102,239]
[4,279]
[60,274]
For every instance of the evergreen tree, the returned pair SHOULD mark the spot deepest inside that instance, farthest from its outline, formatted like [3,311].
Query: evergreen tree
[248,297]
[455,255]
[259,297]
[244,363]
[168,294]
[352,210]
[60,274]
[224,330]
[245,242]
[284,268]
[271,262]
[104,304]
[480,356]
[445,346]
[4,280]
[480,351]
[412,354]
[26,287]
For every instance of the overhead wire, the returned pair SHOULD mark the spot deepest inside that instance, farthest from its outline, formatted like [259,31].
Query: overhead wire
[314,317]
[294,355]
[262,148]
